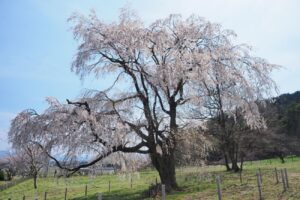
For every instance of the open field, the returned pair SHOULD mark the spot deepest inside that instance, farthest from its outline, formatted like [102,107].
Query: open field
[195,183]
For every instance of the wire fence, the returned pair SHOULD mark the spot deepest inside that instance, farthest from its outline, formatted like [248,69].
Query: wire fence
[255,183]
[13,183]
[76,187]
[262,183]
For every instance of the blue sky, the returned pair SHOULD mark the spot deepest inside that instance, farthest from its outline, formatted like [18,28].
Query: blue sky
[37,48]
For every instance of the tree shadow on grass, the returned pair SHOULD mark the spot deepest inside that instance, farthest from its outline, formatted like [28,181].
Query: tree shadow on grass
[116,195]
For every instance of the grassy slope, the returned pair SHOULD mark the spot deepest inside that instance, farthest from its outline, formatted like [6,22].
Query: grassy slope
[196,183]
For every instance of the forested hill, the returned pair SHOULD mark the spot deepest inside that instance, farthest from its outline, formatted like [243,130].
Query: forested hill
[286,99]
[288,106]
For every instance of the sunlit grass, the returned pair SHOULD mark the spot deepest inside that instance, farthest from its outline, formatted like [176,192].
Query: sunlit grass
[195,183]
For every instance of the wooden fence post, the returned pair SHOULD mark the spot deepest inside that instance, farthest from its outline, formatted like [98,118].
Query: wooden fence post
[286,178]
[130,182]
[85,191]
[163,192]
[283,181]
[36,196]
[219,188]
[45,196]
[99,196]
[276,176]
[66,192]
[24,197]
[259,185]
[260,176]
[109,186]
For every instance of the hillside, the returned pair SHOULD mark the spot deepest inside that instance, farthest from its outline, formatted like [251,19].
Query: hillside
[288,106]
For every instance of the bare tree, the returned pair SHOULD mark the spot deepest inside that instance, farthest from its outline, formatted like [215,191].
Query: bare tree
[28,158]
[234,82]
[236,141]
[28,161]
[161,70]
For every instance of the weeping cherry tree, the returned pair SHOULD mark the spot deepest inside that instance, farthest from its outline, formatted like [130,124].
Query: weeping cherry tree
[161,72]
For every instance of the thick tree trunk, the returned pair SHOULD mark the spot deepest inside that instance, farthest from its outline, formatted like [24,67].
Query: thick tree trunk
[165,165]
[165,162]
[167,173]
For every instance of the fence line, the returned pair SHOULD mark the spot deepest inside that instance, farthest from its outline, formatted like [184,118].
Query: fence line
[268,174]
[13,183]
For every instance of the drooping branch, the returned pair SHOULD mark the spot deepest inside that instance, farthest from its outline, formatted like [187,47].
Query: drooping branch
[137,148]
[79,104]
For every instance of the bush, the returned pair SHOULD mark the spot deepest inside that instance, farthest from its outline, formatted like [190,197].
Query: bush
[8,175]
[2,176]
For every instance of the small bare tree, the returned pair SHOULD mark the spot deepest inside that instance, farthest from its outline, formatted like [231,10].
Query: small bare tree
[28,161]
[234,83]
[28,158]
[237,141]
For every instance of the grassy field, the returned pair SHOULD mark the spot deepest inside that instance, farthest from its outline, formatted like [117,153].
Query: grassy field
[195,183]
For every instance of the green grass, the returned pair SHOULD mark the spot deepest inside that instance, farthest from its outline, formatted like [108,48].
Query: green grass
[195,183]
[120,187]
[3,182]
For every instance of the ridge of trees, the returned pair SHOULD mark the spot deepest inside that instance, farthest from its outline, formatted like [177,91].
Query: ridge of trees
[280,139]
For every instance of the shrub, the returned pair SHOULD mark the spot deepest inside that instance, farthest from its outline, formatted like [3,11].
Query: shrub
[2,177]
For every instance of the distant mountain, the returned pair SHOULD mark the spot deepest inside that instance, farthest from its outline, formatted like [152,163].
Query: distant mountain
[3,154]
